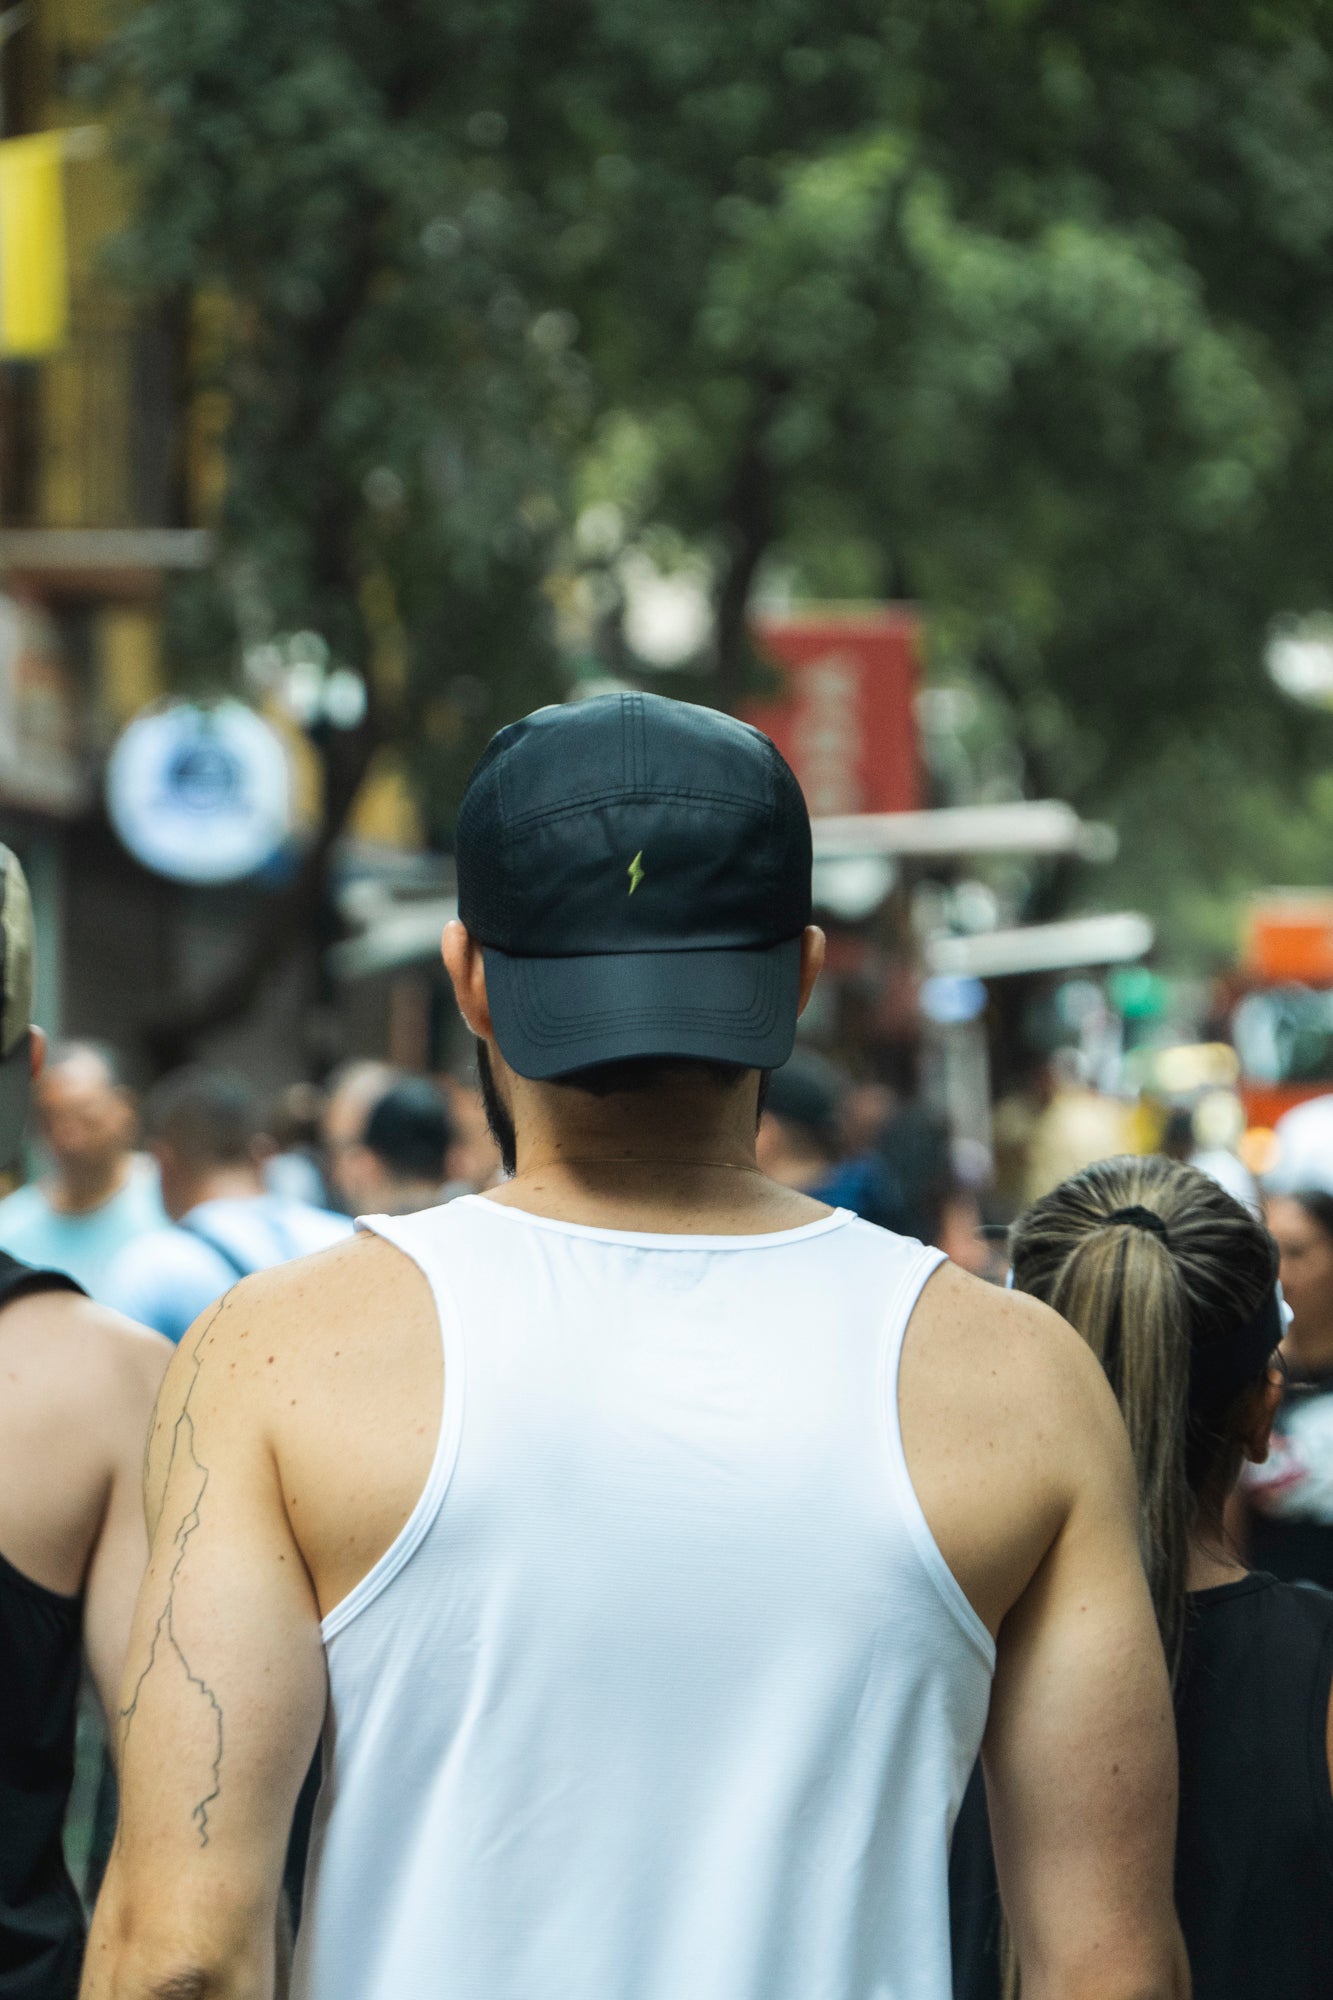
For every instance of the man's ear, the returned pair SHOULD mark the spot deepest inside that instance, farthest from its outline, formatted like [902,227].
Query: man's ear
[466,968]
[812,962]
[1257,1430]
[37,1051]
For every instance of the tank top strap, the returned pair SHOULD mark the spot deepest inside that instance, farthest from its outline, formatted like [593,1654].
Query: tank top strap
[422,1244]
[914,1273]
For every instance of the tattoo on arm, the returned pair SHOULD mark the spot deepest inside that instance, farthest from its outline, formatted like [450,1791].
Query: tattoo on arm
[164,1633]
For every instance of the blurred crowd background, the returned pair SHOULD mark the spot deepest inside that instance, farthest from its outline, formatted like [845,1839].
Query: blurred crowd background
[944,387]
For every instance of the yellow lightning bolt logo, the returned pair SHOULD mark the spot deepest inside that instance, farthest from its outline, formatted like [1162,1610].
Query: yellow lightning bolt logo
[635,871]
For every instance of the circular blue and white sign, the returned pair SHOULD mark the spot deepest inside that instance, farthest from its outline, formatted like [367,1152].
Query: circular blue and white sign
[202,794]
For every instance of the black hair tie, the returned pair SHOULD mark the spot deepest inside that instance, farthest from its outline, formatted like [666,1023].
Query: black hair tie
[1142,1218]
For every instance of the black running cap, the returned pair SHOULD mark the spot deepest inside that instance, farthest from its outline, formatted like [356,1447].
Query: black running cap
[638,873]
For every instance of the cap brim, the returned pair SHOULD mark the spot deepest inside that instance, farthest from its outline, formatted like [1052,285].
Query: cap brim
[553,1015]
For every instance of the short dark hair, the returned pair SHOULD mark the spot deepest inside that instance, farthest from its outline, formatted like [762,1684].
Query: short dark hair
[647,1073]
[409,1131]
[210,1117]
[633,1073]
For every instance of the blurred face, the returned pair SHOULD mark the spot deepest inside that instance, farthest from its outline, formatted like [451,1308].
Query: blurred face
[344,1127]
[1306,1251]
[85,1120]
[359,1179]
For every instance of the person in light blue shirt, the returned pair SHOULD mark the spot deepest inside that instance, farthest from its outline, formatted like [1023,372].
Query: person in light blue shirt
[100,1195]
[204,1130]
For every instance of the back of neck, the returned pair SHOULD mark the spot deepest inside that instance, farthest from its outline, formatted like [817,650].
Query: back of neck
[676,1160]
[224,1184]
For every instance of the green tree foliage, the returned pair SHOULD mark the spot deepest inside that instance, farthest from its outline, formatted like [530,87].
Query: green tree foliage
[1019,307]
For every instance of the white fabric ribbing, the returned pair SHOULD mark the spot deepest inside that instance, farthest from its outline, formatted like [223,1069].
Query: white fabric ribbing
[665,1689]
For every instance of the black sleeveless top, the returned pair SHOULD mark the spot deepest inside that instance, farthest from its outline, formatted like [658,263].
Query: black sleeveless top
[1254,1855]
[1254,1851]
[41,1918]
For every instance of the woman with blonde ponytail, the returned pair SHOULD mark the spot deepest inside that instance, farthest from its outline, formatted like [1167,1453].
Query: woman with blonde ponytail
[1173,1284]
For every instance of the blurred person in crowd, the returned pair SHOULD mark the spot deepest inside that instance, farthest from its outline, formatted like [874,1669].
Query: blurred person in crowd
[654,1662]
[905,1175]
[1204,1136]
[99,1195]
[867,1109]
[965,1232]
[204,1129]
[401,1164]
[79,1383]
[1285,1519]
[917,1159]
[1077,1125]
[1173,1284]
[353,1091]
[294,1129]
[800,1143]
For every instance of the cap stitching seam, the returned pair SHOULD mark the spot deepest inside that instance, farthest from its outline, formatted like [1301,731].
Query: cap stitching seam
[507,895]
[540,814]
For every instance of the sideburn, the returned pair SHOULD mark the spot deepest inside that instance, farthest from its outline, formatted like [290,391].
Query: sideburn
[497,1112]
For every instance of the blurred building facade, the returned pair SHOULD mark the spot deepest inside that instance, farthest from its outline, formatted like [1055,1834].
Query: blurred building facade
[110,471]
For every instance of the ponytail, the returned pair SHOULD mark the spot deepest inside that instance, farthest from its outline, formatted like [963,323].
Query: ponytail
[1121,1287]
[1171,1282]
[1166,1276]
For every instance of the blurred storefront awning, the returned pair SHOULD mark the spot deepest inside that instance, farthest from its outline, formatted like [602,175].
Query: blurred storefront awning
[1025,826]
[398,932]
[1115,939]
[111,561]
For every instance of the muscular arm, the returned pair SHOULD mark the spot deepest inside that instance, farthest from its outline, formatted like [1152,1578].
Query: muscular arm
[1080,1756]
[223,1693]
[120,1550]
[1022,1465]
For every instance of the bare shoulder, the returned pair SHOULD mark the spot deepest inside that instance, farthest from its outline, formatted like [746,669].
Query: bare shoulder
[328,1370]
[286,1325]
[1008,1423]
[78,1385]
[1003,1358]
[89,1356]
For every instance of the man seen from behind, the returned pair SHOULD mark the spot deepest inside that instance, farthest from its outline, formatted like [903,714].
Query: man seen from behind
[204,1129]
[639,1534]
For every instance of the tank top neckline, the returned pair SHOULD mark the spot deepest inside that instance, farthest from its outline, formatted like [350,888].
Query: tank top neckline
[647,1239]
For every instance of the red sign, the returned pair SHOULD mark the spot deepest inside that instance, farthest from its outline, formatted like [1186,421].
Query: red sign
[845,720]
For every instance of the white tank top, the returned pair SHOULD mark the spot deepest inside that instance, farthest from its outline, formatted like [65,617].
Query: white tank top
[665,1691]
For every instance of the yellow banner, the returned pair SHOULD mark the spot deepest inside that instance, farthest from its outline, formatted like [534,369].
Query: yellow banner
[34,279]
